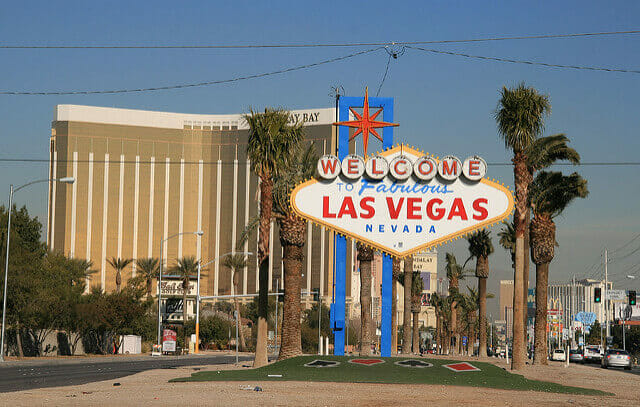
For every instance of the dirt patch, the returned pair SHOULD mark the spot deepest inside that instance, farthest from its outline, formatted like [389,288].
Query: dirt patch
[152,388]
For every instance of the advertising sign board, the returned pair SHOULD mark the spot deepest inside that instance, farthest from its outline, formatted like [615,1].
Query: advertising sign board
[169,338]
[402,200]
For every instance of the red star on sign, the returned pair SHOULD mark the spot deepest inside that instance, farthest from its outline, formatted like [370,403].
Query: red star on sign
[365,124]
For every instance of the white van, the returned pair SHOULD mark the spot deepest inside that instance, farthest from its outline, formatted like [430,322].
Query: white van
[593,353]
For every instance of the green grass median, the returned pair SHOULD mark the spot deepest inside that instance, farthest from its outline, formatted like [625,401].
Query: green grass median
[294,369]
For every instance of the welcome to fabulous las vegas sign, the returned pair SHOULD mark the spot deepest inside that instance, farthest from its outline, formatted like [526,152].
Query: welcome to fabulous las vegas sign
[401,201]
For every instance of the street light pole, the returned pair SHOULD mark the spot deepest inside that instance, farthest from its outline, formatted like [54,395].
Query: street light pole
[197,233]
[200,266]
[65,180]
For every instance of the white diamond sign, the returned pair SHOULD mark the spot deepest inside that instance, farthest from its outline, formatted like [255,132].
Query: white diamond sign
[401,201]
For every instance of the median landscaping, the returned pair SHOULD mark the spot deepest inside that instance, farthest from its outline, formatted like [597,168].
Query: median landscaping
[389,370]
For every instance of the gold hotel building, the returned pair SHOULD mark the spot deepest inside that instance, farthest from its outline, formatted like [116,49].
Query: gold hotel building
[143,176]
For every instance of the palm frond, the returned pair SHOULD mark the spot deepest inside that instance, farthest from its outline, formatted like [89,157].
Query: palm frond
[545,151]
[551,192]
[520,116]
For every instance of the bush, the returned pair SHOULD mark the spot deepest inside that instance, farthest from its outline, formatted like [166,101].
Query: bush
[213,330]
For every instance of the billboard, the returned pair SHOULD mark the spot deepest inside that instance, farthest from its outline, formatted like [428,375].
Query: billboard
[401,201]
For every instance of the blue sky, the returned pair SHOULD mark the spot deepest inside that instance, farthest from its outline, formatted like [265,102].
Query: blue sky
[444,104]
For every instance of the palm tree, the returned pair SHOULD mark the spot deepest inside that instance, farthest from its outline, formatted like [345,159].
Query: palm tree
[396,273]
[365,257]
[469,304]
[119,264]
[185,268]
[454,274]
[480,247]
[148,269]
[417,286]
[551,193]
[507,240]
[406,317]
[271,140]
[293,235]
[437,303]
[236,262]
[520,118]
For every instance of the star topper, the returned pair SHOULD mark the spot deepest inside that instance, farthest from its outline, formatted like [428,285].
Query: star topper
[365,123]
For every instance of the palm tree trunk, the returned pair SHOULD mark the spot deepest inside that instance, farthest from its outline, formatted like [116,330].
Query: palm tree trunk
[292,261]
[471,338]
[394,317]
[525,276]
[118,280]
[416,333]
[266,203]
[406,320]
[365,308]
[243,343]
[482,315]
[542,280]
[453,328]
[522,178]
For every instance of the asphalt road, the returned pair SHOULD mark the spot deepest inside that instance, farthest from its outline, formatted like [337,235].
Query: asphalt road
[15,377]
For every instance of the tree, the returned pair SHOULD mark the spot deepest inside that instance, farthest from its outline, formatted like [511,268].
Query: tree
[293,235]
[119,264]
[454,274]
[480,247]
[271,140]
[26,254]
[417,285]
[148,269]
[365,257]
[406,317]
[469,304]
[235,263]
[551,193]
[186,268]
[396,273]
[520,118]
[437,303]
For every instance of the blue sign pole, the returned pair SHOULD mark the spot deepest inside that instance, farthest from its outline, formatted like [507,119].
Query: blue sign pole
[340,243]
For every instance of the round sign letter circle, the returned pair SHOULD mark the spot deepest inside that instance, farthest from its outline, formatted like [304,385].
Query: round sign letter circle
[474,168]
[352,166]
[328,167]
[450,168]
[425,168]
[400,168]
[376,167]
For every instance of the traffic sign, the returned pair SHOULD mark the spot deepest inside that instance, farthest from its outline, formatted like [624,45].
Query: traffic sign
[616,295]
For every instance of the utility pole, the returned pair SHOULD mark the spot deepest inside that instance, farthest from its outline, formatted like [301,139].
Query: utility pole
[606,292]
[277,301]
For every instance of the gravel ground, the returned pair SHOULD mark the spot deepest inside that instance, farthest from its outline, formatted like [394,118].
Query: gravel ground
[152,388]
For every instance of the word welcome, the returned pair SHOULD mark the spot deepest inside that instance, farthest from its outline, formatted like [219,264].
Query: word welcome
[401,168]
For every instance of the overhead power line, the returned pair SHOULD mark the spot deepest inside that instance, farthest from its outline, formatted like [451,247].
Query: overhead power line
[197,84]
[324,45]
[525,62]
[633,239]
[232,162]
[308,66]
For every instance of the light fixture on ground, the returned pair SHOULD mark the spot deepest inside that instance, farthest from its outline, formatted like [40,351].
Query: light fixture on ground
[198,233]
[65,180]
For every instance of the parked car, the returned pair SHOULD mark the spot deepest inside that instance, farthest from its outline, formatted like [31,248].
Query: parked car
[559,355]
[592,353]
[616,358]
[576,356]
